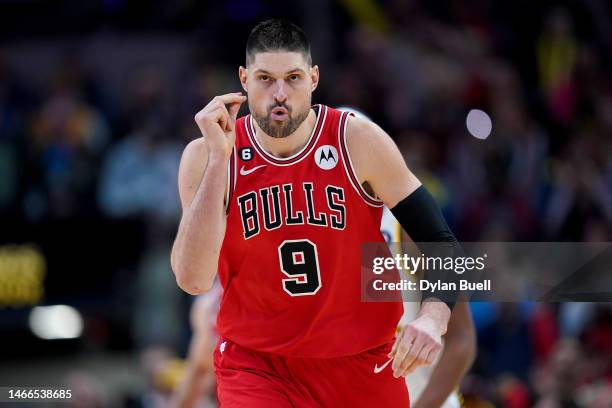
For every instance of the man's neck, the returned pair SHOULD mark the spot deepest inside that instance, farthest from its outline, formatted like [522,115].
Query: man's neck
[289,145]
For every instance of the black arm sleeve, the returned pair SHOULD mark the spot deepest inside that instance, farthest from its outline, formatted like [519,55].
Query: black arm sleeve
[421,218]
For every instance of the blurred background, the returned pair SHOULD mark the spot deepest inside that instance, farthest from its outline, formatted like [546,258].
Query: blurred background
[97,101]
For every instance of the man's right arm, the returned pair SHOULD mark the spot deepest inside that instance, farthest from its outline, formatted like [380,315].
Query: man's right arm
[202,184]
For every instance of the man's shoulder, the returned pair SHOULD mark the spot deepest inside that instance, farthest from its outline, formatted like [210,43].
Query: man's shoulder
[370,148]
[364,128]
[363,136]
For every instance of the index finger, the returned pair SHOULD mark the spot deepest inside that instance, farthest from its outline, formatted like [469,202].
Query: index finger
[236,97]
[398,338]
[403,348]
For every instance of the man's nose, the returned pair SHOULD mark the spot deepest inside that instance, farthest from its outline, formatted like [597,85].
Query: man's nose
[279,92]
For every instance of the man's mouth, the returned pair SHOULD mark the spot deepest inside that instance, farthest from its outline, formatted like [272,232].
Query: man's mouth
[279,113]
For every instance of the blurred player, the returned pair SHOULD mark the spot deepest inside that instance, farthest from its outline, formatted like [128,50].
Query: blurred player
[197,387]
[436,385]
[279,202]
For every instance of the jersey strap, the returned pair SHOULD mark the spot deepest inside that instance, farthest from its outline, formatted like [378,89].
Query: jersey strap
[348,164]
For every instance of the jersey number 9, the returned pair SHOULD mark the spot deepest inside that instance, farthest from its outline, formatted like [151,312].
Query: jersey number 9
[300,263]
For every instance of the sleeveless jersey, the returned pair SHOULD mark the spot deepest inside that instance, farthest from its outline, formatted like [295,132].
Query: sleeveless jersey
[290,263]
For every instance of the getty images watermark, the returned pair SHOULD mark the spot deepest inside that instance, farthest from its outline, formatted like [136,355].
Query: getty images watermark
[487,271]
[409,265]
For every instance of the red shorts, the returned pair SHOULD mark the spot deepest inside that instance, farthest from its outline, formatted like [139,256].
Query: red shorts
[248,378]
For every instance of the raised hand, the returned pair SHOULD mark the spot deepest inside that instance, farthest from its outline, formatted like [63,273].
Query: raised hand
[217,122]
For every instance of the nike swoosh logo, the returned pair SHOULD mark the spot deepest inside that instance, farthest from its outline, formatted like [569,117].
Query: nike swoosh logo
[378,369]
[244,172]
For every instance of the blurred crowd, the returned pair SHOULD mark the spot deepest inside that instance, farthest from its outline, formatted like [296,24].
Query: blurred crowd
[79,144]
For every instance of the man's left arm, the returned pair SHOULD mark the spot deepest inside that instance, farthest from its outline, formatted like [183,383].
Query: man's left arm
[380,167]
[456,359]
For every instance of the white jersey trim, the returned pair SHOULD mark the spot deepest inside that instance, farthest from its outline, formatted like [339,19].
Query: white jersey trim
[348,164]
[287,161]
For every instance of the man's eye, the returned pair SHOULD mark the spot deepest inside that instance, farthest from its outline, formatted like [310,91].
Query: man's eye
[294,77]
[264,78]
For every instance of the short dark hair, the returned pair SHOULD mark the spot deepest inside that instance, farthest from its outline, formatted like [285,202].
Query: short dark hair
[277,35]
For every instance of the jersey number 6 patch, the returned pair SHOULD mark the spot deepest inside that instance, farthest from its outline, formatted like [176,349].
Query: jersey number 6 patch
[300,263]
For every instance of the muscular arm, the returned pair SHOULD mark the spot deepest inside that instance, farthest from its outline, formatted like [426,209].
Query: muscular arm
[202,184]
[378,163]
[456,359]
[380,167]
[195,253]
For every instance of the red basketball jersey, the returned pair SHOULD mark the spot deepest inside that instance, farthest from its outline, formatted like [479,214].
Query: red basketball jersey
[291,258]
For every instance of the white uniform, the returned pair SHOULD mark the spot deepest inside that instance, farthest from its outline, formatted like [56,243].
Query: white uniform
[418,379]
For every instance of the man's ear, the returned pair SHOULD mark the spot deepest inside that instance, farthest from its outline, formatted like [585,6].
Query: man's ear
[314,76]
[242,74]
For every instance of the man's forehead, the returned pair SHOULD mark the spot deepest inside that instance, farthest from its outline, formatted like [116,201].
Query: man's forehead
[278,62]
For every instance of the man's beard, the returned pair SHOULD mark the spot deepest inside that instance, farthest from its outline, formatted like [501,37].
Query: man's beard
[286,128]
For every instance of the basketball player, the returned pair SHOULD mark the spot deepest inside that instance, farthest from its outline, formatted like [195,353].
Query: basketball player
[197,386]
[279,202]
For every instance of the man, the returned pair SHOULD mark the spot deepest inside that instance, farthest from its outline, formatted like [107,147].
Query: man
[279,202]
